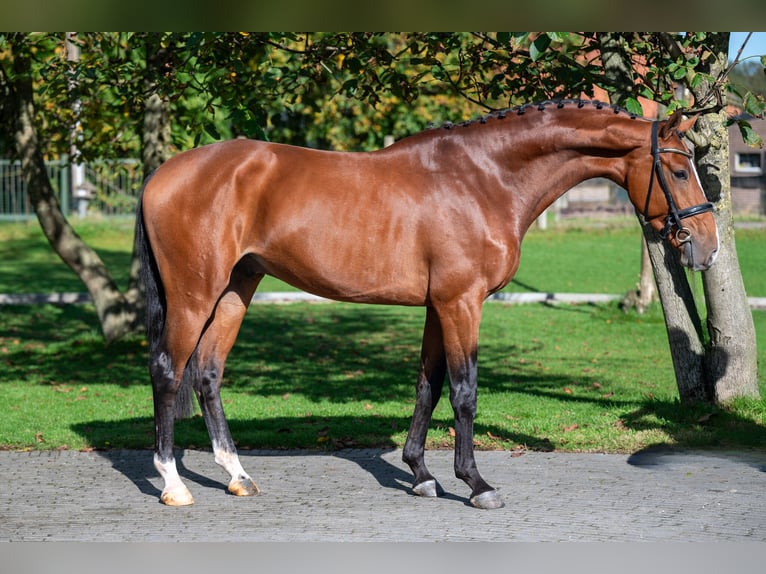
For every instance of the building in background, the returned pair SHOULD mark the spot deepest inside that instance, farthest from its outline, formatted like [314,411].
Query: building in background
[748,171]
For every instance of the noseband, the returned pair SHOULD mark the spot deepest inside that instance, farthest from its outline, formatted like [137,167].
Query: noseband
[675,215]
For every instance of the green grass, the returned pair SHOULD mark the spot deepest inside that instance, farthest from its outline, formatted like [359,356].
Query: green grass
[583,378]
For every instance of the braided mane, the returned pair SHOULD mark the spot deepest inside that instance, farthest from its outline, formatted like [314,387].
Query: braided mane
[521,110]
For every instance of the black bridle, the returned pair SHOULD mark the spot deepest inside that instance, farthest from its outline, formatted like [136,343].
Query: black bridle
[675,215]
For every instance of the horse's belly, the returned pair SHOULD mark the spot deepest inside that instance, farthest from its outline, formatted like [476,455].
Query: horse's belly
[362,280]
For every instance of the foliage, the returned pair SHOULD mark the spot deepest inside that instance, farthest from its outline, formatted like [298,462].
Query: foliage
[337,90]
[750,76]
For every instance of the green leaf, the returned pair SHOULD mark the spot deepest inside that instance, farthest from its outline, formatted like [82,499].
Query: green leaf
[735,89]
[254,129]
[521,38]
[749,135]
[504,37]
[634,107]
[753,104]
[539,46]
[697,79]
[212,131]
[679,73]
[353,65]
[350,86]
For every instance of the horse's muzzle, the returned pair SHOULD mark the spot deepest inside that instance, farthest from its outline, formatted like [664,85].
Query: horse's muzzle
[695,258]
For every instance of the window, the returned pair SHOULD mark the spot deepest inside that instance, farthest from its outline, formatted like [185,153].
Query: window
[749,162]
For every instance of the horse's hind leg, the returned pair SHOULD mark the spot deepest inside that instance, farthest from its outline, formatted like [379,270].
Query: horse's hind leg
[433,367]
[167,364]
[213,349]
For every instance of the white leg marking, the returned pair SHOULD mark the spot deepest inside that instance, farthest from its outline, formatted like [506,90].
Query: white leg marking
[175,492]
[230,462]
[240,484]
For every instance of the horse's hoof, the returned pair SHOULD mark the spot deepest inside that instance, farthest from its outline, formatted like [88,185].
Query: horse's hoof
[177,497]
[244,486]
[426,488]
[487,500]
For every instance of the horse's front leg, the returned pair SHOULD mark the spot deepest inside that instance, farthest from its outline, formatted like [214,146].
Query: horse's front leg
[433,367]
[460,324]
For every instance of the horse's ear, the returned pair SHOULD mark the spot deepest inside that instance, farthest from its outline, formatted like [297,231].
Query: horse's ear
[687,125]
[676,123]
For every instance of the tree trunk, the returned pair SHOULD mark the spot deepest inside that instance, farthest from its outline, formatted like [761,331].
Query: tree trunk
[731,361]
[156,132]
[155,137]
[647,290]
[727,362]
[732,367]
[720,362]
[116,314]
[682,321]
[726,366]
[155,142]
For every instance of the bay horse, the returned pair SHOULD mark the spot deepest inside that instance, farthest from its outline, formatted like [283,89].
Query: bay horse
[434,220]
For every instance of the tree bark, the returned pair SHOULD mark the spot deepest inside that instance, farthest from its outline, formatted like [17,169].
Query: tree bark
[155,136]
[725,366]
[727,360]
[682,321]
[732,360]
[116,315]
[647,290]
[718,363]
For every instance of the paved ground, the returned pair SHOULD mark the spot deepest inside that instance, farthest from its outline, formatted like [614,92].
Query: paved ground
[363,495]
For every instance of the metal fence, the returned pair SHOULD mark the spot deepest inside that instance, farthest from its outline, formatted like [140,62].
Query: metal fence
[107,187]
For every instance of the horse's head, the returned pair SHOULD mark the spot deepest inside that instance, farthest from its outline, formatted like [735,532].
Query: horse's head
[666,189]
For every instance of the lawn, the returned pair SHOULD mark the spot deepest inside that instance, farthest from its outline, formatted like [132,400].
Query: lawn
[581,378]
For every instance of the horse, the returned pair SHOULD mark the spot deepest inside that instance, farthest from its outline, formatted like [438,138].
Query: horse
[434,220]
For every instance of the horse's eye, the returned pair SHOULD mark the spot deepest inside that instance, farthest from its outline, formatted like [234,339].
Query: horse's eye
[681,174]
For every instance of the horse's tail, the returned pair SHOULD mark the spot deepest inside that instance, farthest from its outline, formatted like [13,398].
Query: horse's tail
[156,307]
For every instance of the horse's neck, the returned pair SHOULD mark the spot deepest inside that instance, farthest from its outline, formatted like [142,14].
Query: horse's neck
[546,160]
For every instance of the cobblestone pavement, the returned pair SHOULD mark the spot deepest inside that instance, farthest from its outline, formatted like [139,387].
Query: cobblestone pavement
[363,495]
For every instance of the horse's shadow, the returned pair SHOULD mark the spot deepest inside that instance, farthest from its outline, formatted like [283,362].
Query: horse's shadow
[389,475]
[138,467]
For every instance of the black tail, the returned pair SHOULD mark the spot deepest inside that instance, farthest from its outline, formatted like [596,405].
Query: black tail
[156,306]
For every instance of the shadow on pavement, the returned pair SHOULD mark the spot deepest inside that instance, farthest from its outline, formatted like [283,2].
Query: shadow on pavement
[664,455]
[138,467]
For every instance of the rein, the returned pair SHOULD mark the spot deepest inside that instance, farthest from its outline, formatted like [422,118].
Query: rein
[675,215]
